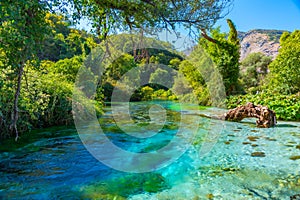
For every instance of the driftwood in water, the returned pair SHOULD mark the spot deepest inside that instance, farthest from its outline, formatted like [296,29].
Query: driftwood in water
[266,117]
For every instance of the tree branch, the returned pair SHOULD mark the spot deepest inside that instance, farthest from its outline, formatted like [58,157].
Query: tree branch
[204,34]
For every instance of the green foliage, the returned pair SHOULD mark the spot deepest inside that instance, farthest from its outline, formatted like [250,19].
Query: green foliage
[6,91]
[119,67]
[279,90]
[164,95]
[144,71]
[224,52]
[45,97]
[120,16]
[146,93]
[233,35]
[191,74]
[254,69]
[58,87]
[63,41]
[274,35]
[174,63]
[22,29]
[190,84]
[181,85]
[163,56]
[284,76]
[161,76]
[40,53]
[68,68]
[286,107]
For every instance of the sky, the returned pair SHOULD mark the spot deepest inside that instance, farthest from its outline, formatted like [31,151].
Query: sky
[252,14]
[264,14]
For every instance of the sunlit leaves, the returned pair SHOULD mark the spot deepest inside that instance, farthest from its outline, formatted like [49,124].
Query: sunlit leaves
[284,74]
[225,54]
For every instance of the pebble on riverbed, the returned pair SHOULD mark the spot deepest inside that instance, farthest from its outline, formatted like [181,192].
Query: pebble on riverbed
[270,139]
[245,143]
[258,154]
[295,157]
[253,138]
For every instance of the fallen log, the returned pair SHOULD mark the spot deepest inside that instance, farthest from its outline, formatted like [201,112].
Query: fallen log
[266,117]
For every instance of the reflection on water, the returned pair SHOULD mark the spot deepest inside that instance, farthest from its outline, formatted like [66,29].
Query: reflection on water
[244,163]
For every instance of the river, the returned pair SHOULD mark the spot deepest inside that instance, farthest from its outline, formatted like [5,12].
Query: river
[223,160]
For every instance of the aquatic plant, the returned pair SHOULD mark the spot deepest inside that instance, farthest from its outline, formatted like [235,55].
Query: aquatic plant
[124,186]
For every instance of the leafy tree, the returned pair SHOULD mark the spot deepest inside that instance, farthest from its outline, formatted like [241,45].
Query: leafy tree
[68,67]
[191,74]
[114,16]
[161,76]
[22,28]
[224,51]
[191,84]
[174,63]
[181,86]
[63,41]
[284,76]
[254,68]
[119,67]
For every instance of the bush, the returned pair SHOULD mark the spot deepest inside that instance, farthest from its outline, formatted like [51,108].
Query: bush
[45,96]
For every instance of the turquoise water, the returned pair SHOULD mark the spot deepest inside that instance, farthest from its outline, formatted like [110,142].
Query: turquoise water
[225,160]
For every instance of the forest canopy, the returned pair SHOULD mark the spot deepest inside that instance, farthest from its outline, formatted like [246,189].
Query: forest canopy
[38,43]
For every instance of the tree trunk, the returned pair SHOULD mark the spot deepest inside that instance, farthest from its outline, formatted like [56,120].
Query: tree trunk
[266,117]
[15,111]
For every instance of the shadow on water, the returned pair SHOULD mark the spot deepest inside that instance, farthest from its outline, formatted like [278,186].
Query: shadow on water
[9,145]
[286,126]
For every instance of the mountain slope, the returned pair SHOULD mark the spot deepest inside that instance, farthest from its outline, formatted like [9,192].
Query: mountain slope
[260,40]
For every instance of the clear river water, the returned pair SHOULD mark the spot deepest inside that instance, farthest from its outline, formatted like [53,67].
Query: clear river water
[224,160]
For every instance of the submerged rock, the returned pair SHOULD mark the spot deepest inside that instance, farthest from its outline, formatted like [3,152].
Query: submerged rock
[258,154]
[245,143]
[295,197]
[295,157]
[253,138]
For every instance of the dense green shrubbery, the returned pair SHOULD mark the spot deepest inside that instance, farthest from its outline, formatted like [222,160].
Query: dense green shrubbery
[253,70]
[284,76]
[224,49]
[46,85]
[287,107]
[45,99]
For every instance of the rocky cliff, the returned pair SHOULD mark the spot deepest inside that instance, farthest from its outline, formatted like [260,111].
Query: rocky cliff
[259,40]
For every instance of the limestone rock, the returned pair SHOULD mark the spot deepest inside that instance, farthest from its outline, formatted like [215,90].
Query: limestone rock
[259,40]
